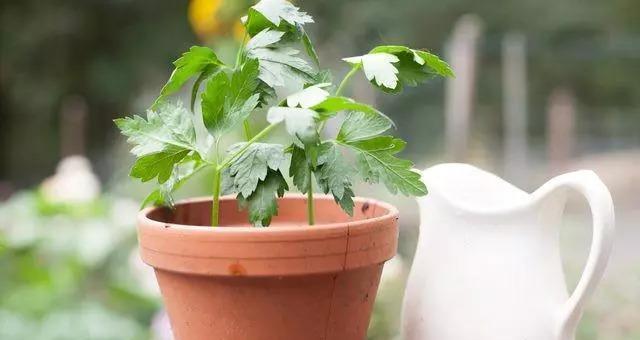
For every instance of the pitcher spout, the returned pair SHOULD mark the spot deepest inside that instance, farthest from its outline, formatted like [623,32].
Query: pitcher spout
[470,190]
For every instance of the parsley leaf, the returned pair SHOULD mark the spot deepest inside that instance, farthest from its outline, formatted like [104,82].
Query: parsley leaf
[172,124]
[181,173]
[378,67]
[161,141]
[308,97]
[197,60]
[299,169]
[274,10]
[226,103]
[278,64]
[377,163]
[280,14]
[159,164]
[252,166]
[331,105]
[263,203]
[362,125]
[300,122]
[334,175]
[311,51]
[204,75]
[431,63]
[392,67]
[265,38]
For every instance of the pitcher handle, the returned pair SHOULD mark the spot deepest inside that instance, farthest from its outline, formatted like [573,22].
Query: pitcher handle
[597,195]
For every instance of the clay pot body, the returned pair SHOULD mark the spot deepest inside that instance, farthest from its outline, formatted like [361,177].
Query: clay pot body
[290,281]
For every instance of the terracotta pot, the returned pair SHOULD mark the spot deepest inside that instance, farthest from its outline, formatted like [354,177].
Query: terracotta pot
[289,281]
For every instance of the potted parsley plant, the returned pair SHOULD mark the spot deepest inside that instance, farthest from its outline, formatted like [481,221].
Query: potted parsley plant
[314,272]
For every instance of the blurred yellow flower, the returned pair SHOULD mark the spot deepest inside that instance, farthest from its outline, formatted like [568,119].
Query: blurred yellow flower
[203,16]
[238,30]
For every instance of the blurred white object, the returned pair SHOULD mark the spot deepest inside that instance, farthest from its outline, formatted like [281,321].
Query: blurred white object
[73,182]
[488,266]
[160,326]
[392,270]
[144,274]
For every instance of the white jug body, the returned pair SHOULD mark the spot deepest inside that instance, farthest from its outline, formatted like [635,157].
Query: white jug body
[488,265]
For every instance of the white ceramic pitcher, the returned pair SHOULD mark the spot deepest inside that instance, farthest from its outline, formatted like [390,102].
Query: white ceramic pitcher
[488,264]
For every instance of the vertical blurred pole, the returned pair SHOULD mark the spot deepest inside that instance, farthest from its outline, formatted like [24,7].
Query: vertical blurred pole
[73,116]
[460,91]
[514,106]
[561,115]
[5,145]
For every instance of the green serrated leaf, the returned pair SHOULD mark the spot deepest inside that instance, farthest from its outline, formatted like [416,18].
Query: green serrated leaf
[299,169]
[188,65]
[159,164]
[311,51]
[309,96]
[377,163]
[170,125]
[276,14]
[227,102]
[331,105]
[243,83]
[278,64]
[346,202]
[154,198]
[164,139]
[253,165]
[204,75]
[323,76]
[360,125]
[300,122]
[254,22]
[263,39]
[334,175]
[391,67]
[213,102]
[227,185]
[163,195]
[379,69]
[262,204]
[267,94]
[277,10]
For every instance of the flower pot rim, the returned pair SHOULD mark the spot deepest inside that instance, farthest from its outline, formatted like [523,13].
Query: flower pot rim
[391,213]
[283,249]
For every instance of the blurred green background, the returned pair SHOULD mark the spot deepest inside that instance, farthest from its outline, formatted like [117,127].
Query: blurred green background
[68,264]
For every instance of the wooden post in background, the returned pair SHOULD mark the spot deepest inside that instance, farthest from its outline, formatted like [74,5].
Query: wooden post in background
[73,117]
[514,107]
[561,115]
[460,91]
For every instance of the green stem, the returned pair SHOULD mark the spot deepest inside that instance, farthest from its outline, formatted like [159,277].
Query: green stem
[217,170]
[311,216]
[215,207]
[244,148]
[247,129]
[346,79]
[240,54]
[341,87]
[215,202]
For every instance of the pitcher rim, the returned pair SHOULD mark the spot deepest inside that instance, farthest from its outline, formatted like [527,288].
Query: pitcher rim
[466,209]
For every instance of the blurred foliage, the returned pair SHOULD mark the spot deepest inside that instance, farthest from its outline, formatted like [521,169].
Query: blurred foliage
[68,274]
[115,53]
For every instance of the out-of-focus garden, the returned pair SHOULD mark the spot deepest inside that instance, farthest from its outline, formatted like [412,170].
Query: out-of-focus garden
[542,87]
